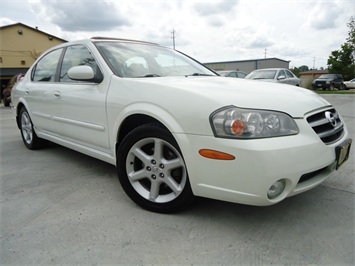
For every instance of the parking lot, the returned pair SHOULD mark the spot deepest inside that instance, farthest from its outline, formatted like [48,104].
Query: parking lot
[61,207]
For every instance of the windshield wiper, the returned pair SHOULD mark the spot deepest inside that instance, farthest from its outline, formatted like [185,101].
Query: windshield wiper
[151,75]
[199,74]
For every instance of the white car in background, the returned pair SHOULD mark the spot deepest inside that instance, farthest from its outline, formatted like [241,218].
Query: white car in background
[174,129]
[232,74]
[278,75]
[350,84]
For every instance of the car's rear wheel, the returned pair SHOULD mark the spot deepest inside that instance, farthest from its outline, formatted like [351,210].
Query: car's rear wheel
[152,171]
[29,136]
[6,102]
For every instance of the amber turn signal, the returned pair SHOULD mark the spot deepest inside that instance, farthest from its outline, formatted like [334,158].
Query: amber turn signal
[217,155]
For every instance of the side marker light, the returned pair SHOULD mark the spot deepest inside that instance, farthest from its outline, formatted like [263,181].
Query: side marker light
[217,155]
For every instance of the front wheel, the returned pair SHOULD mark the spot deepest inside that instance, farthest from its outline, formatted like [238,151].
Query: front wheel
[152,171]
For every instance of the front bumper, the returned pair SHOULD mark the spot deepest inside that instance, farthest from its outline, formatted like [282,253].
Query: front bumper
[302,160]
[321,85]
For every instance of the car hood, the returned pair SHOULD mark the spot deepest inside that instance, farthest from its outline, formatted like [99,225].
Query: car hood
[216,92]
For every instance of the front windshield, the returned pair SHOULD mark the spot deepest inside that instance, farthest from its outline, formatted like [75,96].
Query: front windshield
[326,76]
[135,60]
[265,74]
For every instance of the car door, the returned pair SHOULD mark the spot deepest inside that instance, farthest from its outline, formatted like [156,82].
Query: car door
[42,93]
[291,79]
[83,103]
[281,76]
[338,81]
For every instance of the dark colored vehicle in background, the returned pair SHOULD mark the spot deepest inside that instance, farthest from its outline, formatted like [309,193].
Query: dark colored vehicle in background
[329,81]
[6,93]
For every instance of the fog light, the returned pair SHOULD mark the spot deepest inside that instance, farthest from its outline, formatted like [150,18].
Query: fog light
[276,189]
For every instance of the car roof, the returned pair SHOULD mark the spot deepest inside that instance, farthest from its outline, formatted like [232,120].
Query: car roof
[228,71]
[98,38]
[275,68]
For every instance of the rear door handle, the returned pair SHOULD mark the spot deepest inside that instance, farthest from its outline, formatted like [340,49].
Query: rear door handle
[57,94]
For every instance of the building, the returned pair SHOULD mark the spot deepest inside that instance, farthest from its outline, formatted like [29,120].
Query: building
[248,65]
[20,46]
[307,77]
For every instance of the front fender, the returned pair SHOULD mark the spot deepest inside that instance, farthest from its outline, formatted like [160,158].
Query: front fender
[116,118]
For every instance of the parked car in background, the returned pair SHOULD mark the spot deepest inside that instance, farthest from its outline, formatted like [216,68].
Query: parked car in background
[278,75]
[232,74]
[349,84]
[176,130]
[6,93]
[329,82]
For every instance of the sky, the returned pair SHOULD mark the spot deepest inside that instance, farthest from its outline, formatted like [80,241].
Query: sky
[304,32]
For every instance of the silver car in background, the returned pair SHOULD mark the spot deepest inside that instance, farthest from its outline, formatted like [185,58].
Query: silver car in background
[232,74]
[278,75]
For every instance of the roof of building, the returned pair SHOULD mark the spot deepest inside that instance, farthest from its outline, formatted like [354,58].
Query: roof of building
[34,29]
[248,60]
[315,71]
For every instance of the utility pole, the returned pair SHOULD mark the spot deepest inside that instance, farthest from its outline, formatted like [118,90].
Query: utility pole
[314,63]
[265,52]
[173,32]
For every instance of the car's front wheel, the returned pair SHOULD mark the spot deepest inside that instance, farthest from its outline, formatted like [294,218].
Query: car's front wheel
[152,171]
[28,134]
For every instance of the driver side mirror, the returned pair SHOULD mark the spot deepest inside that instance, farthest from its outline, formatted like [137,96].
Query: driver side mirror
[83,73]
[281,77]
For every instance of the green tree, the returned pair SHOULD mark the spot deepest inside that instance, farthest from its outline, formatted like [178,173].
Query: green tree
[298,70]
[342,61]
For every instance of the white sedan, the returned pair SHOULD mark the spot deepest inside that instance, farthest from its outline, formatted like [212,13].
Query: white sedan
[277,75]
[174,129]
[350,84]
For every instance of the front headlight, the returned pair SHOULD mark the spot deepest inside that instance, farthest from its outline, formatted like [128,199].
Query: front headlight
[233,122]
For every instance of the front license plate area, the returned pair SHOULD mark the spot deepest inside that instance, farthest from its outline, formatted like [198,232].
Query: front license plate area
[342,153]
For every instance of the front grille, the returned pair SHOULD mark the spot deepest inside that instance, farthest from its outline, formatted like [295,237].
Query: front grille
[327,125]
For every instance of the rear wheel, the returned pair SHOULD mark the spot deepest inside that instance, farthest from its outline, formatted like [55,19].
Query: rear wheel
[6,102]
[152,171]
[28,134]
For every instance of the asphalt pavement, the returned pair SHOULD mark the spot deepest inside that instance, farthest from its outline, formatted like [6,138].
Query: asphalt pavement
[59,207]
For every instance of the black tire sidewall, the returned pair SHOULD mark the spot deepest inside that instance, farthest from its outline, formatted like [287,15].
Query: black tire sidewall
[141,132]
[36,142]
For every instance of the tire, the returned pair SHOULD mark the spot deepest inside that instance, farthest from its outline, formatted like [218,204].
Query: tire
[331,87]
[29,136]
[6,102]
[155,179]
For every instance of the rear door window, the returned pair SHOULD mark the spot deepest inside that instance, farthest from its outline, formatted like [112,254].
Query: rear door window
[46,68]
